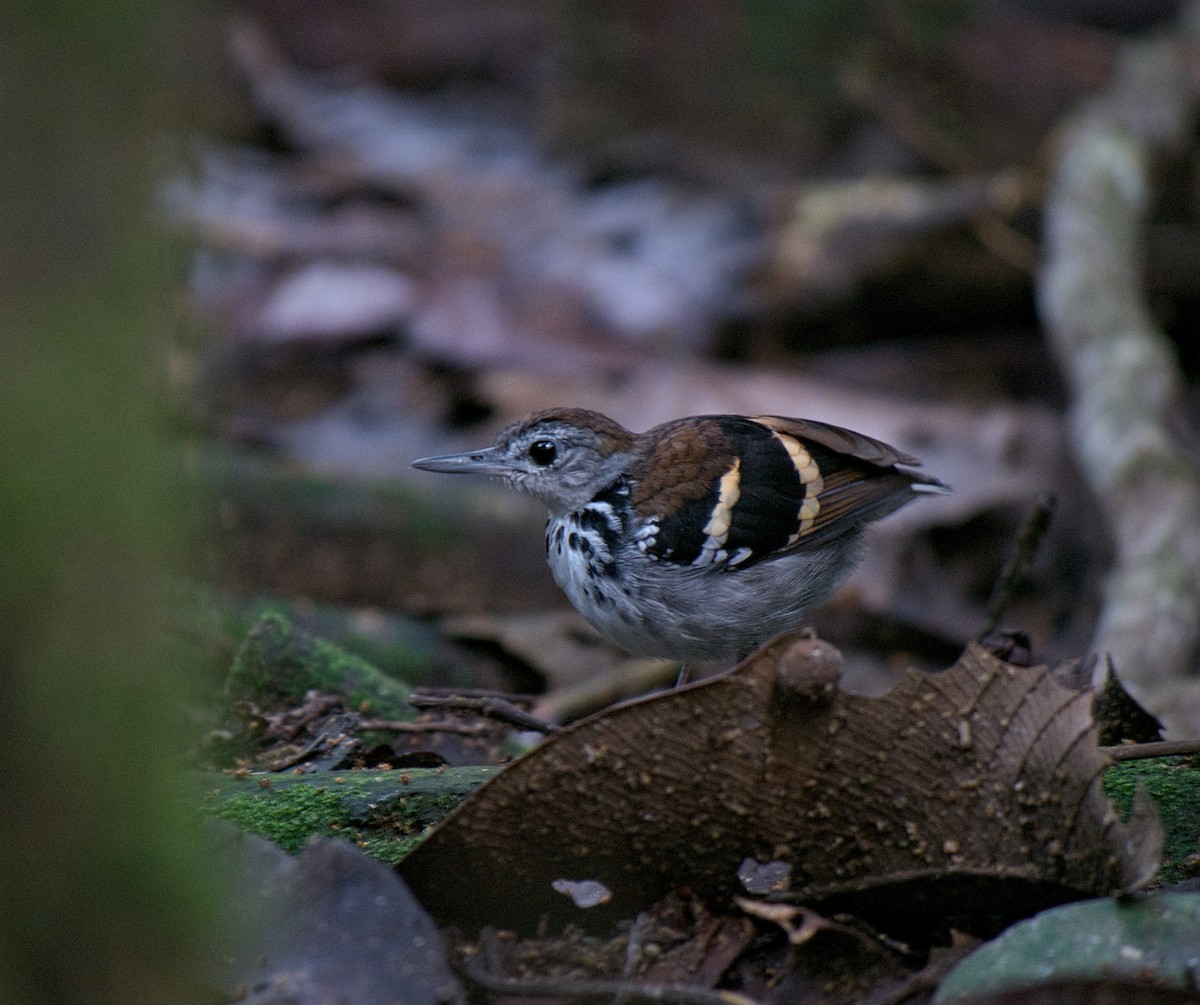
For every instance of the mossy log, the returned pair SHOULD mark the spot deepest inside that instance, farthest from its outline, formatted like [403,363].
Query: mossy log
[280,661]
[387,812]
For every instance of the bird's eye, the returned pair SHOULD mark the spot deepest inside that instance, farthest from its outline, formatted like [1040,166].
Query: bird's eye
[542,452]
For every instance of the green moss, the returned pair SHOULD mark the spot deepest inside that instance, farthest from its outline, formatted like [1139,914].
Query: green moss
[384,812]
[280,661]
[1174,785]
[288,818]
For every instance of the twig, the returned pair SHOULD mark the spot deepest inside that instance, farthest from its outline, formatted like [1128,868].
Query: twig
[1016,569]
[633,945]
[626,677]
[430,726]
[633,952]
[490,706]
[1161,748]
[431,691]
[321,743]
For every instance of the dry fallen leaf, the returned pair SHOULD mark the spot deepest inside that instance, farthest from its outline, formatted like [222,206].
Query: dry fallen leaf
[969,795]
[810,924]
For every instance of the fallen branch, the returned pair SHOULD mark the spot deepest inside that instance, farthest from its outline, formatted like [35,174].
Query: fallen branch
[1121,369]
[1141,751]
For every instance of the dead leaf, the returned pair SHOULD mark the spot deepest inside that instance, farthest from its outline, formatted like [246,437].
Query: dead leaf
[528,262]
[702,958]
[335,301]
[584,893]
[969,795]
[761,878]
[1121,717]
[811,923]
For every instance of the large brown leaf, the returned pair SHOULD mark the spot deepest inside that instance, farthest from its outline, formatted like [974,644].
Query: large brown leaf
[970,794]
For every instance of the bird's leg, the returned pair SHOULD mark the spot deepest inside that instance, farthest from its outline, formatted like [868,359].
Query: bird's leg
[685,669]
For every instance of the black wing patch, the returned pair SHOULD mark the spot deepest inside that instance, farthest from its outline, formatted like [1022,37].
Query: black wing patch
[782,486]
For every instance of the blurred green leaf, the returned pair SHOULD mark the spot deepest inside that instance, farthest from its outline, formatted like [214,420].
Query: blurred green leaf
[1151,940]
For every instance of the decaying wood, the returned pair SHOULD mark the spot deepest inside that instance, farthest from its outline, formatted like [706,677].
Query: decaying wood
[1124,378]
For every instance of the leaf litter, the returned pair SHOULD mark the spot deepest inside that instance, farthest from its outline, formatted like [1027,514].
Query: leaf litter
[966,798]
[464,288]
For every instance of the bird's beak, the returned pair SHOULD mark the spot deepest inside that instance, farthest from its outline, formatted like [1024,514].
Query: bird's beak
[480,462]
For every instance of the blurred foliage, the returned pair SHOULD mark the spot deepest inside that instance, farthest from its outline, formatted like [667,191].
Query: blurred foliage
[97,844]
[758,75]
